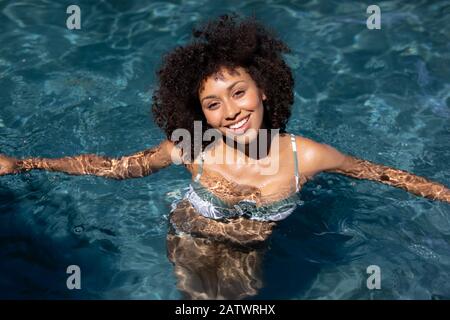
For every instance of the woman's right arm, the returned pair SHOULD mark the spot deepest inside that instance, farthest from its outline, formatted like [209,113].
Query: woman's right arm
[136,165]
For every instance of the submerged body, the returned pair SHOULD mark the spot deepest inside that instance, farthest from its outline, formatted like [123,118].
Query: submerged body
[221,258]
[218,252]
[219,231]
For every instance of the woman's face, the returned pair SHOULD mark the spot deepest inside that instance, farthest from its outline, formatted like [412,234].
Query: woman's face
[233,104]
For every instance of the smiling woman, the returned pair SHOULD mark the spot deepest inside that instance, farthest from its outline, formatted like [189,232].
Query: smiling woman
[232,69]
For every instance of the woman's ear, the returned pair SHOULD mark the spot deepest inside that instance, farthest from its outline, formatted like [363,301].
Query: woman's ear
[264,98]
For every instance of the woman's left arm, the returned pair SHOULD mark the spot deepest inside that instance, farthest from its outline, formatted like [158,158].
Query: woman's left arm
[363,169]
[328,159]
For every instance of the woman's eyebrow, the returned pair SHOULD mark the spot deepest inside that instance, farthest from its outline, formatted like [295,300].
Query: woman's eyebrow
[228,89]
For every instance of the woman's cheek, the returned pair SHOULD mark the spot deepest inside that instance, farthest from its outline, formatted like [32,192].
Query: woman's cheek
[249,104]
[210,118]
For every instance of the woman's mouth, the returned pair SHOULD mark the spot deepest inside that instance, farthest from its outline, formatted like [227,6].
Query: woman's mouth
[240,127]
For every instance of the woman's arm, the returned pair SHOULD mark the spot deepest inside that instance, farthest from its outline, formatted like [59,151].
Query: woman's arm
[136,165]
[321,157]
[363,169]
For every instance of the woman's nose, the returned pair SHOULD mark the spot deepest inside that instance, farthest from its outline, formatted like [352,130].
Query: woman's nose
[231,111]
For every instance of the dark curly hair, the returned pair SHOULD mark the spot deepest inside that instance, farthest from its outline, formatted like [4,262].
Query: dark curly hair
[231,42]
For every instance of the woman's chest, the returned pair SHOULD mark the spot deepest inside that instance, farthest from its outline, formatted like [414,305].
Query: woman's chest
[250,182]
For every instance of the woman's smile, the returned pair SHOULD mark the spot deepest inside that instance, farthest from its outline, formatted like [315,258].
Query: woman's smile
[239,127]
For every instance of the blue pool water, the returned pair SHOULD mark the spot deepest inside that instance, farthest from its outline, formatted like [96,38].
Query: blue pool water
[382,95]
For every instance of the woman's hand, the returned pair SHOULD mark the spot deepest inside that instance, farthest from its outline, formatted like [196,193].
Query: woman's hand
[8,165]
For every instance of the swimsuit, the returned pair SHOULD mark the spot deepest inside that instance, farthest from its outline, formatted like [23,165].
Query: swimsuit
[209,205]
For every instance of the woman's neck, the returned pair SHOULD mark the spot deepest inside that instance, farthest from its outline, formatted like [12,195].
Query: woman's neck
[257,149]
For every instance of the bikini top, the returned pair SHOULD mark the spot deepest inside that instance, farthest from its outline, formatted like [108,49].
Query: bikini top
[211,206]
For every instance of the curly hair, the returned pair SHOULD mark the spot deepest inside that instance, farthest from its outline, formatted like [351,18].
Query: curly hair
[230,42]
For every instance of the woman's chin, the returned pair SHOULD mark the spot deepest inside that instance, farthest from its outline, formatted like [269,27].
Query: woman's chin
[243,138]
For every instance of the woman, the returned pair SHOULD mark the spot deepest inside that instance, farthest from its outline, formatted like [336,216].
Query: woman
[233,79]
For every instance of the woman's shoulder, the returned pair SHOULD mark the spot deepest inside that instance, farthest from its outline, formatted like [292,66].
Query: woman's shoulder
[305,146]
[314,157]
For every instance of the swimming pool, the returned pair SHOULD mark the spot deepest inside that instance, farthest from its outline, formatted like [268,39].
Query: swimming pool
[382,95]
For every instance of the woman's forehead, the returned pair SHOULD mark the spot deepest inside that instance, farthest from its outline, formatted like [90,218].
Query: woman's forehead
[224,72]
[224,75]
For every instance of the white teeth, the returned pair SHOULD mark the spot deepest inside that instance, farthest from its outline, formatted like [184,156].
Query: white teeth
[239,124]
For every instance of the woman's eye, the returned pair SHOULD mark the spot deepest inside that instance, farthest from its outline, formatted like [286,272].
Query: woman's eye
[239,93]
[212,106]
